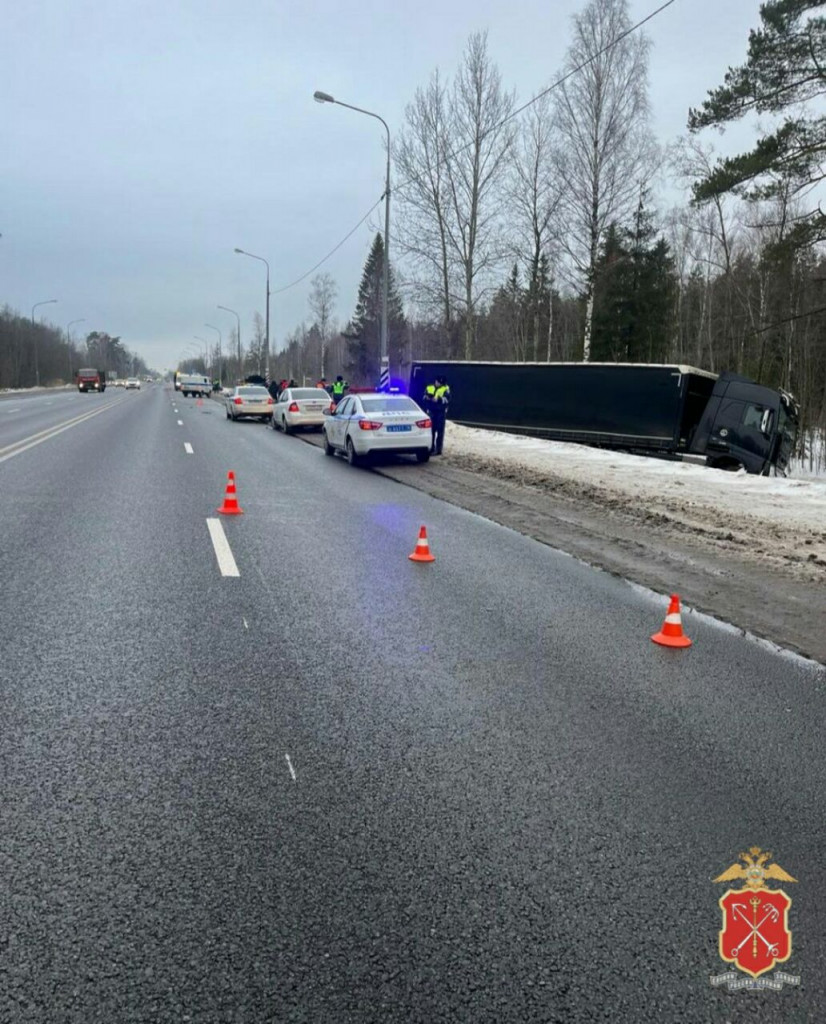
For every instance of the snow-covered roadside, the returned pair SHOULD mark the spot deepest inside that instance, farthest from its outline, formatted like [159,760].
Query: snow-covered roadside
[766,516]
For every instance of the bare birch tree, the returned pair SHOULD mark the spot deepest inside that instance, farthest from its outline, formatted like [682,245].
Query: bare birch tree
[322,303]
[422,198]
[607,151]
[535,196]
[476,167]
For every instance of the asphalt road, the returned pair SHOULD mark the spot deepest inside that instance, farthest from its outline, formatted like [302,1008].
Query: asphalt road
[343,787]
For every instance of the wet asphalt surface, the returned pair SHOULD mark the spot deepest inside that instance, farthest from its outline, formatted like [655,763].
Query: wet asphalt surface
[508,805]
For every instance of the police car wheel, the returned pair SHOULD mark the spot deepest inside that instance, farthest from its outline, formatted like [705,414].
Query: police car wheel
[423,455]
[328,448]
[352,457]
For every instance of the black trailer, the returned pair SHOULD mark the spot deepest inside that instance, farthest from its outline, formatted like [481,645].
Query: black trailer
[668,410]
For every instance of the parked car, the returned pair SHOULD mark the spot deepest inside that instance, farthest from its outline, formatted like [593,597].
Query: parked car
[133,383]
[300,407]
[249,400]
[366,423]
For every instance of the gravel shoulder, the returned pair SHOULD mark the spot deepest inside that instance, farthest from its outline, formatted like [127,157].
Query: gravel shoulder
[763,571]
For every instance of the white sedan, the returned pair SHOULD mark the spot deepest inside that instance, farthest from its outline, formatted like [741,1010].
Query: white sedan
[363,424]
[300,407]
[249,400]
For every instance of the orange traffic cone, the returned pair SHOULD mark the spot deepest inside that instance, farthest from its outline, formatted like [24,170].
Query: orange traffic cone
[200,401]
[422,552]
[230,506]
[671,635]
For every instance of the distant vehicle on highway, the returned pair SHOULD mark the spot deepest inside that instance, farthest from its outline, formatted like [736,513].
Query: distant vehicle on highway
[193,384]
[249,400]
[364,424]
[301,408]
[90,379]
[133,383]
[668,410]
[119,382]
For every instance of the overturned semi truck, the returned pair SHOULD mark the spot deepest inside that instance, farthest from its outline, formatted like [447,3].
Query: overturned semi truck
[723,420]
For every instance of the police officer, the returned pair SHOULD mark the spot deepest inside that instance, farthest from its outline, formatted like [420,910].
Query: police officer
[340,385]
[438,400]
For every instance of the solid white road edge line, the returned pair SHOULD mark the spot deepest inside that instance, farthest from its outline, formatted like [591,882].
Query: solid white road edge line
[35,439]
[223,552]
[188,448]
[290,766]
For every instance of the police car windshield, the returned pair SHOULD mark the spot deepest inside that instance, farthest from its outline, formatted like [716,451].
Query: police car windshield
[401,404]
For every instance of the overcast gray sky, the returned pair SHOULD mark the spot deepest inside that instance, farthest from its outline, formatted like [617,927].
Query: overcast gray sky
[142,140]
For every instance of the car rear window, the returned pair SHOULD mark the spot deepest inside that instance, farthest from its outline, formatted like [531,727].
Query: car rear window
[87,373]
[389,405]
[317,393]
[253,392]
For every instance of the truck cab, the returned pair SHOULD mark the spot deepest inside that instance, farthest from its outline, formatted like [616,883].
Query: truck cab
[91,379]
[746,425]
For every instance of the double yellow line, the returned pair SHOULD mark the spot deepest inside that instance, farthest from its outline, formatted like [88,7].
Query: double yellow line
[25,443]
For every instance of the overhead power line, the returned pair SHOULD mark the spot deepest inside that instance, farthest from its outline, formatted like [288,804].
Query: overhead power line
[790,319]
[493,128]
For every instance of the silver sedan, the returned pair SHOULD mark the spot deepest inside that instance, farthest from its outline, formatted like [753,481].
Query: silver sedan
[301,407]
[249,400]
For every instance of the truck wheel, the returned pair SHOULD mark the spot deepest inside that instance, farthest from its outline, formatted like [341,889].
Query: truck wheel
[352,456]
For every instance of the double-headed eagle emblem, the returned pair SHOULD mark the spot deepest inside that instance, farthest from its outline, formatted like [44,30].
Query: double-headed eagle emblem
[755,936]
[755,872]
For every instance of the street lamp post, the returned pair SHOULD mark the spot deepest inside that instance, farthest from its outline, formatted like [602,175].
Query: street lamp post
[45,302]
[82,320]
[205,343]
[220,346]
[243,252]
[325,97]
[238,318]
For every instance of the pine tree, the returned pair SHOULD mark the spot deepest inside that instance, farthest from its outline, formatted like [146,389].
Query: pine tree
[784,71]
[363,332]
[635,294]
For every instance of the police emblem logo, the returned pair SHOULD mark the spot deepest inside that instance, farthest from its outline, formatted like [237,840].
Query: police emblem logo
[755,936]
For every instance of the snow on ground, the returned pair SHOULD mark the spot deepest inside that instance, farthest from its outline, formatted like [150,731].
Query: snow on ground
[797,504]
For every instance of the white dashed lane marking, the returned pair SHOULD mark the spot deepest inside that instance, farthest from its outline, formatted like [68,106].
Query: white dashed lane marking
[290,766]
[223,552]
[188,448]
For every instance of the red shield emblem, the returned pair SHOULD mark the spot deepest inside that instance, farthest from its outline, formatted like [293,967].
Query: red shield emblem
[755,934]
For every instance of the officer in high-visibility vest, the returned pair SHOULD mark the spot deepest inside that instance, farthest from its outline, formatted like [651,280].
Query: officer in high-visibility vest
[438,401]
[340,385]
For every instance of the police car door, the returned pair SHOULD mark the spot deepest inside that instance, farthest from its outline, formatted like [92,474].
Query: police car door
[339,421]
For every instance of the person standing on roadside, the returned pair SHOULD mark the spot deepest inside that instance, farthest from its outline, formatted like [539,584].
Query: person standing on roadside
[338,389]
[438,402]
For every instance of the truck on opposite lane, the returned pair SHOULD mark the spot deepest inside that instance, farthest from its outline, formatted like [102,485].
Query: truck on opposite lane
[673,411]
[91,379]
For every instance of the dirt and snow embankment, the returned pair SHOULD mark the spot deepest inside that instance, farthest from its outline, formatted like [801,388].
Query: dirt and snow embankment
[768,520]
[748,550]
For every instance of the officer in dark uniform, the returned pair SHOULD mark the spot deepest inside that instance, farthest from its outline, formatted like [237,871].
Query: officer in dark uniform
[438,401]
[340,385]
